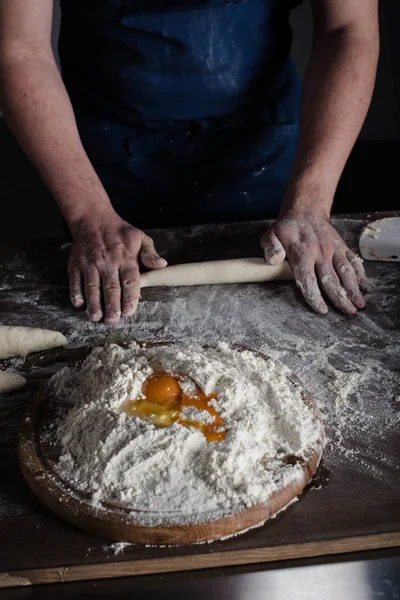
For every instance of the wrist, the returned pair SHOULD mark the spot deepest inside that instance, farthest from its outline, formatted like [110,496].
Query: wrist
[90,217]
[302,198]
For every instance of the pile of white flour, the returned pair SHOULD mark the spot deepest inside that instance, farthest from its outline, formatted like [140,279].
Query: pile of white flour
[174,470]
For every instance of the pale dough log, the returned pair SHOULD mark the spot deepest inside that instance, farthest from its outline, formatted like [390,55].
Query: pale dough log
[238,270]
[20,341]
[10,382]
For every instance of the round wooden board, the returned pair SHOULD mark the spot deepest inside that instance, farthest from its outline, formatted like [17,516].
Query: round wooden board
[38,457]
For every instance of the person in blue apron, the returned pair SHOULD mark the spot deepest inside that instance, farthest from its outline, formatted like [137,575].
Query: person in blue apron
[188,112]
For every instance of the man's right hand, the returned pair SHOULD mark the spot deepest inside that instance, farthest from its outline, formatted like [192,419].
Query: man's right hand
[104,266]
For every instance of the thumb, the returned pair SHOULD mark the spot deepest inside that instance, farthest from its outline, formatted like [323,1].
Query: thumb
[149,255]
[274,252]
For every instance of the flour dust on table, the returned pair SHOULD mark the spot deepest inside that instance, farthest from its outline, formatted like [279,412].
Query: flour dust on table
[186,432]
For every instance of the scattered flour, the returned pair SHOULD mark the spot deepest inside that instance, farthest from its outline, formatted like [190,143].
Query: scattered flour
[342,383]
[117,548]
[174,472]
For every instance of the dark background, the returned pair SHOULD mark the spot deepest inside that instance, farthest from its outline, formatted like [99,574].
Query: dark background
[368,183]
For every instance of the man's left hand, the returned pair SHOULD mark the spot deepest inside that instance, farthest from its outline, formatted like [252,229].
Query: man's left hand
[319,258]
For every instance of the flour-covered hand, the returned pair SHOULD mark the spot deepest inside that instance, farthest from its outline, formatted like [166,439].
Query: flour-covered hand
[319,258]
[104,269]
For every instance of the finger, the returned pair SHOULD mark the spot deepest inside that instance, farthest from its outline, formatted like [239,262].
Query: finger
[149,255]
[112,295]
[357,264]
[76,288]
[93,296]
[348,279]
[130,282]
[307,283]
[274,252]
[330,283]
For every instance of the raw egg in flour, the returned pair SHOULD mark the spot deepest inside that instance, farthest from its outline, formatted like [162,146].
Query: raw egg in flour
[162,389]
[163,401]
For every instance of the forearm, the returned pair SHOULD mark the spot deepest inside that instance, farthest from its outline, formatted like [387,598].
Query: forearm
[337,93]
[37,107]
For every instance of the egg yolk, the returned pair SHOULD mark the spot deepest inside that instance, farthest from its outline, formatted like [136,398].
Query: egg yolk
[163,401]
[162,389]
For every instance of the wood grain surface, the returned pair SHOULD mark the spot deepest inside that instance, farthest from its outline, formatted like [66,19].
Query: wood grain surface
[171,564]
[359,509]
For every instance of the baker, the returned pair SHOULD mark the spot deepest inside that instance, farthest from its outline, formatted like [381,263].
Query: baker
[188,111]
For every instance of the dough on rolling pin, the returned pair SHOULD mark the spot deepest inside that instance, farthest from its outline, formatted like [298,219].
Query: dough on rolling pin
[237,270]
[20,341]
[10,382]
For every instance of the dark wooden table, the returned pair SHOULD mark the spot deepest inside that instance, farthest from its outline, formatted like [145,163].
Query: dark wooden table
[358,510]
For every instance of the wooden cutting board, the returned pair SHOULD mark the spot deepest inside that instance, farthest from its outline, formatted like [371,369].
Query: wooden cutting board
[38,458]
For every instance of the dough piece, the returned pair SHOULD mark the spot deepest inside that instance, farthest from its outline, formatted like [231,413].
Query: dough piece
[10,382]
[20,341]
[238,270]
[380,240]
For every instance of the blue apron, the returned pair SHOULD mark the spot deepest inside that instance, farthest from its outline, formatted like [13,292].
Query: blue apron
[188,109]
